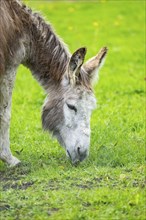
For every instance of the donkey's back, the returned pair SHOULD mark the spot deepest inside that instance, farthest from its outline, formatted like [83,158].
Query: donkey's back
[10,30]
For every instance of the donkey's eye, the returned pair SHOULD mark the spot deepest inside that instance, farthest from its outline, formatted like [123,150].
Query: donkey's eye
[72,107]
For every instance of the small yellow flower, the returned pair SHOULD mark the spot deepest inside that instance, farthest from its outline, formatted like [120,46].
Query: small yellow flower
[95,24]
[116,23]
[122,176]
[103,1]
[61,167]
[70,28]
[71,10]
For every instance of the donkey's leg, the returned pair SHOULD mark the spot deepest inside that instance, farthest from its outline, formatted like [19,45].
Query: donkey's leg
[6,86]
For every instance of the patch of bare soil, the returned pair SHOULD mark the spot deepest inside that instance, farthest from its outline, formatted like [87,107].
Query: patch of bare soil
[4,206]
[52,210]
[17,185]
[15,173]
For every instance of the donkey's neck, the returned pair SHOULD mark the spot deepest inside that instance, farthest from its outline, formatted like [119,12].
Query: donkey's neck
[48,56]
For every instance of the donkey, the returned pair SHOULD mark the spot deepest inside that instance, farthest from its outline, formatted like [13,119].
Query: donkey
[25,38]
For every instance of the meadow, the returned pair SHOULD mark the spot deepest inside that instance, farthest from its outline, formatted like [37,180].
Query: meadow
[110,184]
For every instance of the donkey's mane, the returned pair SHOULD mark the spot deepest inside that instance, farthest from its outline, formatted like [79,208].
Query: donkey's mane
[48,51]
[47,56]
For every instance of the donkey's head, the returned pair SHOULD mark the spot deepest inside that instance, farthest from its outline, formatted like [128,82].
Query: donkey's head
[67,109]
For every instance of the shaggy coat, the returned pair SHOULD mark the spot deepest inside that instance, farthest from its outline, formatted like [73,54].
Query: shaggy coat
[25,38]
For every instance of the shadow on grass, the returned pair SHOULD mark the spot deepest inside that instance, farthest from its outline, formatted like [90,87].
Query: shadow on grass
[15,173]
[107,157]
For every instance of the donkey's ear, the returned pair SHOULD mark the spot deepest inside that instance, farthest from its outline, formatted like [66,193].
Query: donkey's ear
[75,64]
[93,65]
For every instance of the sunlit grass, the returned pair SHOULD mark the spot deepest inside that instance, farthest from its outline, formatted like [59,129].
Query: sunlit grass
[110,183]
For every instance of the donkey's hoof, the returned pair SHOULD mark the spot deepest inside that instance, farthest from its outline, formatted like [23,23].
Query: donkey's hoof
[13,162]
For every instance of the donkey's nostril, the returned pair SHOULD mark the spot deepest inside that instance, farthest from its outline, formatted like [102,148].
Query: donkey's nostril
[78,150]
[82,153]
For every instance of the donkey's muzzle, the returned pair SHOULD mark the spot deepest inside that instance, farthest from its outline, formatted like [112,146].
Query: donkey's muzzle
[78,155]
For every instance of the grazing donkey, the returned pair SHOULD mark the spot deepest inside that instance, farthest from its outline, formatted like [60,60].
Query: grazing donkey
[25,38]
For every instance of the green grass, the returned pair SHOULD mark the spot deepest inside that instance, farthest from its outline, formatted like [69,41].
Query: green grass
[110,184]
